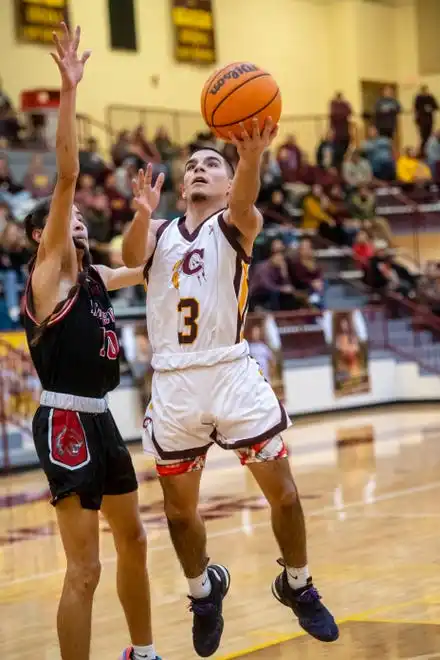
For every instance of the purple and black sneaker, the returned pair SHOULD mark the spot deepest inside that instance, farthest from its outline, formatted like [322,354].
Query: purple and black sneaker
[208,618]
[306,604]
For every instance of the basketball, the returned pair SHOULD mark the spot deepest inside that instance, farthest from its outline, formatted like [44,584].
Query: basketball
[237,93]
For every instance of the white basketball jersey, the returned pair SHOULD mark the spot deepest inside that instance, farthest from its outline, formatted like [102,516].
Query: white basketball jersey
[197,294]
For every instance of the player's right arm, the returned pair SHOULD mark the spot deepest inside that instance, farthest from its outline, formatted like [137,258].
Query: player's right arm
[56,248]
[140,238]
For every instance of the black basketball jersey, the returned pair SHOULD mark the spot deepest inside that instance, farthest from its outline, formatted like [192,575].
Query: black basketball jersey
[78,352]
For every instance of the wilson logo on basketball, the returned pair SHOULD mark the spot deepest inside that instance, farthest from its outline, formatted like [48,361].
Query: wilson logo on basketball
[234,74]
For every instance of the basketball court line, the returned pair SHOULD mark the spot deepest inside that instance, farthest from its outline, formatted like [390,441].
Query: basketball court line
[234,530]
[361,617]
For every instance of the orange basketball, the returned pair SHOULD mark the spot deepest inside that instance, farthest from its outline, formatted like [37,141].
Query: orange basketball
[237,93]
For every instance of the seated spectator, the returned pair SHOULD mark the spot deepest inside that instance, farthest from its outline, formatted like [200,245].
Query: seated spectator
[14,255]
[337,205]
[289,158]
[363,249]
[277,211]
[97,217]
[261,352]
[7,183]
[356,171]
[85,190]
[121,149]
[433,155]
[362,204]
[231,154]
[120,210]
[91,162]
[306,276]
[205,139]
[9,125]
[314,209]
[143,148]
[325,154]
[38,181]
[326,178]
[386,276]
[164,144]
[270,285]
[429,287]
[411,170]
[270,177]
[378,149]
[124,176]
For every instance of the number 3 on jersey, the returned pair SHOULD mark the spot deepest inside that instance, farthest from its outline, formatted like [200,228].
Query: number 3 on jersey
[189,307]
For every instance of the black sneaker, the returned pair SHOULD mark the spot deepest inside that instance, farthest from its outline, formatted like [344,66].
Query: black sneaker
[208,619]
[306,604]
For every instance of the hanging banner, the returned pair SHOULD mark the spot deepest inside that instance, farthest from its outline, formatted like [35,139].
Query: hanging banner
[35,20]
[346,332]
[193,25]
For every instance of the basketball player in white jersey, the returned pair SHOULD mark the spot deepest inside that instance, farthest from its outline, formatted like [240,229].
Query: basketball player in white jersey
[206,388]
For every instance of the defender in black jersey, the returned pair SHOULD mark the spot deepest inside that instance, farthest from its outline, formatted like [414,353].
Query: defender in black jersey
[70,327]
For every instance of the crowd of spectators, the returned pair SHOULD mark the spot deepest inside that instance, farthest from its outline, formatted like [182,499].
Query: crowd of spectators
[330,198]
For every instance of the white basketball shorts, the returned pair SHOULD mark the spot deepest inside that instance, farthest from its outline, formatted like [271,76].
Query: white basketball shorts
[230,404]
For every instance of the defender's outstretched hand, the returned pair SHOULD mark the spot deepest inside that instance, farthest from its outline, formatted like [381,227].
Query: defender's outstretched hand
[146,197]
[252,147]
[70,65]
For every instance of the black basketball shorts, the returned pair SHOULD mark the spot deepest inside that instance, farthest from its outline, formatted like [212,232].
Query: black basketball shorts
[82,454]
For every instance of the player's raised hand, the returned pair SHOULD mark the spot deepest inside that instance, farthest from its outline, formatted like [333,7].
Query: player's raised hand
[70,65]
[252,147]
[146,197]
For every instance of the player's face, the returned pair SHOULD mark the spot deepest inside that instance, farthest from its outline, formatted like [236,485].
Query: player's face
[79,230]
[206,176]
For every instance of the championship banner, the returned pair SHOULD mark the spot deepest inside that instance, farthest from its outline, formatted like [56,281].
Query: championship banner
[347,333]
[194,38]
[35,20]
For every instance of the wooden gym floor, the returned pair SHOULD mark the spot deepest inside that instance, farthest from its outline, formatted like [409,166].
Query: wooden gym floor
[370,485]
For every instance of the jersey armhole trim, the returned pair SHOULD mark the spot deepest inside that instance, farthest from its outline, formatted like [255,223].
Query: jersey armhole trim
[149,263]
[65,309]
[230,233]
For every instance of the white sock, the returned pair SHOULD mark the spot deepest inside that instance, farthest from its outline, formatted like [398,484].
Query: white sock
[200,587]
[144,652]
[297,577]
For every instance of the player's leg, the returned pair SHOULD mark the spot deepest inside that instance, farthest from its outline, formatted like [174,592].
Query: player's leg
[273,474]
[68,453]
[294,588]
[120,506]
[123,517]
[208,584]
[79,530]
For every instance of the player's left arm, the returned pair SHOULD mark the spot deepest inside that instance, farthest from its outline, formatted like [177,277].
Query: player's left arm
[242,212]
[119,278]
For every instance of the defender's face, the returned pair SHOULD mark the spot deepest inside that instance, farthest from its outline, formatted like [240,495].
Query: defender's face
[79,230]
[206,176]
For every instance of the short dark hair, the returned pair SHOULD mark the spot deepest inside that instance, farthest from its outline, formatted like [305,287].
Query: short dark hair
[36,219]
[229,165]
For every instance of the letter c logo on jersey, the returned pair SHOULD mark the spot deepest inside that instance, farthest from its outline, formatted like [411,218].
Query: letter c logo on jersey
[192,263]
